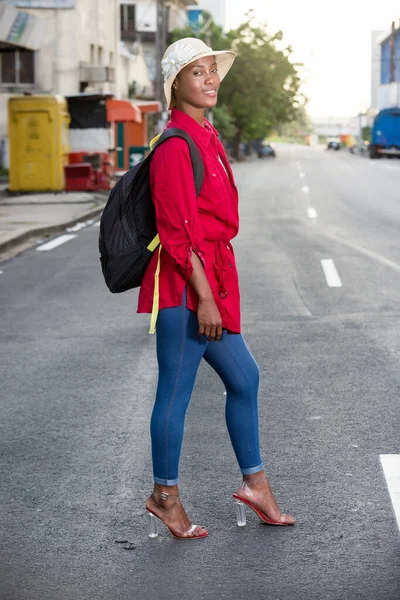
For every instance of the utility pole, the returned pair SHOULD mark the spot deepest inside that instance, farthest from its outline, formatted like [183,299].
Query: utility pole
[161,42]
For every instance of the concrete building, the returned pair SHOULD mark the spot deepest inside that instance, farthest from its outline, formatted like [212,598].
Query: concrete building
[67,47]
[57,47]
[79,46]
[338,126]
[385,68]
[375,68]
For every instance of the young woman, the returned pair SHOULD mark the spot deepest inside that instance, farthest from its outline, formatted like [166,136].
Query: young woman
[198,299]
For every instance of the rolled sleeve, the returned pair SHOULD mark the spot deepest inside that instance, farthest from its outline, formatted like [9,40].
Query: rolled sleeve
[174,196]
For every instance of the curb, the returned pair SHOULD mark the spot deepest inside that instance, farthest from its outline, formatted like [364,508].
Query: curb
[47,231]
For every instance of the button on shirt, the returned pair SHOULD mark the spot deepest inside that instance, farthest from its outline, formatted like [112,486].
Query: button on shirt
[204,225]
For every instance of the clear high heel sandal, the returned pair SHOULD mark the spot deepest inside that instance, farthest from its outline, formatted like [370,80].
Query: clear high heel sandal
[240,504]
[153,518]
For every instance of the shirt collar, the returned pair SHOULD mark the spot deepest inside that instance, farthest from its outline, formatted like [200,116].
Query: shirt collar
[202,134]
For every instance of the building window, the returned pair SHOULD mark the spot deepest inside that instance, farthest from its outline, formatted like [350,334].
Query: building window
[111,59]
[92,57]
[8,70]
[26,67]
[17,66]
[100,56]
[128,17]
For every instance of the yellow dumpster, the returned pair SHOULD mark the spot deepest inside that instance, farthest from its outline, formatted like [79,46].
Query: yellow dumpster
[39,143]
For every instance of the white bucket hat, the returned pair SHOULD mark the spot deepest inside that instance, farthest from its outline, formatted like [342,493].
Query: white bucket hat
[183,52]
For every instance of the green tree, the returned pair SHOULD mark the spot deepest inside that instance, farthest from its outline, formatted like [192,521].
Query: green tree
[366,133]
[224,122]
[299,126]
[262,89]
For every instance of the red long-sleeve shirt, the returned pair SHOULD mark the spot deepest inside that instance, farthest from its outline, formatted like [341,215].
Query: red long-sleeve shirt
[205,225]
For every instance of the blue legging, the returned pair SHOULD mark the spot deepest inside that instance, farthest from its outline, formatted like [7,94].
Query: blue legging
[179,352]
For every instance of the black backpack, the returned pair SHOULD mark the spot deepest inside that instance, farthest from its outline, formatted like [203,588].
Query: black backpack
[128,223]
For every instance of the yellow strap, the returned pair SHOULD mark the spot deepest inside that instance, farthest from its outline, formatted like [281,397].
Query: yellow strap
[156,295]
[154,141]
[152,246]
[154,243]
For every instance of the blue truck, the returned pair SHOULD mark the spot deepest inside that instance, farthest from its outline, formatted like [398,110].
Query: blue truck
[385,140]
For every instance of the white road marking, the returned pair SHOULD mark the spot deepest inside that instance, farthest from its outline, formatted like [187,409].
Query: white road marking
[1,272]
[298,165]
[369,253]
[302,175]
[57,242]
[383,165]
[331,274]
[76,227]
[305,189]
[80,225]
[391,468]
[97,224]
[312,213]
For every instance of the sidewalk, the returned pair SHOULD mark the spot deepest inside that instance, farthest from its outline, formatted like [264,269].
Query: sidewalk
[25,218]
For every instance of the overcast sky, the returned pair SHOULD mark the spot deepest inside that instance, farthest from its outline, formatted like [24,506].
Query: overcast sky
[332,39]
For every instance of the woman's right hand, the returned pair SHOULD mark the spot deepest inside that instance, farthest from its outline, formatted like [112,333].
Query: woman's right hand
[210,322]
[209,318]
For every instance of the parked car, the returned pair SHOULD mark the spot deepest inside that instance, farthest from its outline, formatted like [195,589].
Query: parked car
[385,140]
[266,150]
[333,144]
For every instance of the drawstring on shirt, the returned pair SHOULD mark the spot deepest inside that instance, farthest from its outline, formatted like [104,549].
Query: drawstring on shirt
[219,268]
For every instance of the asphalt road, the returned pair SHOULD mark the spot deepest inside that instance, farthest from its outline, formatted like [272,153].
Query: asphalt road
[78,376]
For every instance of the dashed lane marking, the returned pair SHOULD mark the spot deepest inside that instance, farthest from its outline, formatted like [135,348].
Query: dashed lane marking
[305,189]
[331,274]
[97,224]
[391,469]
[76,227]
[56,242]
[312,213]
[79,226]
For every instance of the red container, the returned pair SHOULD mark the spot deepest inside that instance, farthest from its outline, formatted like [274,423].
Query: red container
[80,177]
[101,166]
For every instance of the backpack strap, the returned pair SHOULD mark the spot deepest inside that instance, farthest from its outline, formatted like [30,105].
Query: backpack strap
[195,157]
[198,174]
[197,162]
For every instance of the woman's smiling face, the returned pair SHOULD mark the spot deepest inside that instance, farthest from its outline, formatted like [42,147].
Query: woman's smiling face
[197,84]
